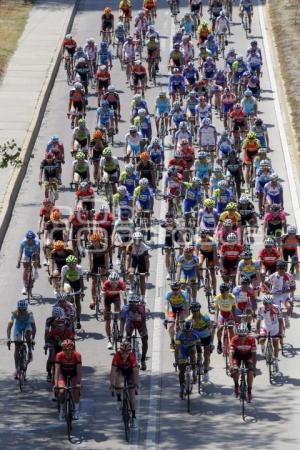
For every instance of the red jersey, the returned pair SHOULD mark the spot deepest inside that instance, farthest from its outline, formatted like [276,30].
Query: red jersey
[269,256]
[181,164]
[187,153]
[248,345]
[68,365]
[61,335]
[238,115]
[85,194]
[138,70]
[129,362]
[45,213]
[231,252]
[103,75]
[69,43]
[78,222]
[113,291]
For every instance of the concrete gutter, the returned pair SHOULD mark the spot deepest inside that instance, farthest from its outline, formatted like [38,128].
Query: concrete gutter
[19,173]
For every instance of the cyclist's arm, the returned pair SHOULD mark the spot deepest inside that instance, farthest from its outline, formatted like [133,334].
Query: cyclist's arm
[9,327]
[33,326]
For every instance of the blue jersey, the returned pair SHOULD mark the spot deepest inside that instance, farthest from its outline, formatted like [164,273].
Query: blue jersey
[130,181]
[104,56]
[176,81]
[202,168]
[162,105]
[191,75]
[104,115]
[187,340]
[30,250]
[156,154]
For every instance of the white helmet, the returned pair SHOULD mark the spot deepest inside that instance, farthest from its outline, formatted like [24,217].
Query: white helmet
[122,189]
[144,182]
[78,85]
[232,238]
[111,88]
[113,276]
[137,235]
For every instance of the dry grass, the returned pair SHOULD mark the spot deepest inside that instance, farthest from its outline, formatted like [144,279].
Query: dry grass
[13,16]
[285,21]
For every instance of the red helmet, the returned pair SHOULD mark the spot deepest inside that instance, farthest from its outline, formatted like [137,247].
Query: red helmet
[68,345]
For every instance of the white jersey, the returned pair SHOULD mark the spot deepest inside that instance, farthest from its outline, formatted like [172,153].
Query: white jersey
[90,51]
[187,50]
[129,50]
[254,59]
[207,135]
[269,319]
[280,285]
[222,25]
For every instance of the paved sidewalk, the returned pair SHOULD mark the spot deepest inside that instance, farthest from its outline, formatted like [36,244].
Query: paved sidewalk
[27,82]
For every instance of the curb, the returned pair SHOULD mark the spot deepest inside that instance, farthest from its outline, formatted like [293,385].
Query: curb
[18,175]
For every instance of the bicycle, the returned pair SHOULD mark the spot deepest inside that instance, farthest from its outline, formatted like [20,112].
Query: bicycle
[30,283]
[135,346]
[270,361]
[207,285]
[22,361]
[200,368]
[51,188]
[69,405]
[115,336]
[173,260]
[69,68]
[188,384]
[126,410]
[225,344]
[98,296]
[243,388]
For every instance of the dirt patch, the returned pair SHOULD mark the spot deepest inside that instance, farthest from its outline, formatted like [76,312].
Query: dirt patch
[13,17]
[284,17]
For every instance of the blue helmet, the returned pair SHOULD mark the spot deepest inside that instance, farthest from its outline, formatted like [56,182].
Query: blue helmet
[22,304]
[55,138]
[30,235]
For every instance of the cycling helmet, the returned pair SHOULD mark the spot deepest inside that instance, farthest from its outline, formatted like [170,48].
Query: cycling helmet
[91,41]
[122,190]
[129,168]
[114,276]
[188,325]
[196,180]
[133,129]
[209,203]
[162,94]
[137,235]
[237,106]
[97,134]
[69,36]
[182,125]
[58,312]
[144,182]
[80,156]
[195,306]
[203,232]
[71,259]
[144,156]
[125,346]
[202,155]
[269,242]
[95,237]
[142,112]
[248,93]
[54,138]
[218,169]
[133,299]
[68,344]
[155,141]
[242,330]
[49,155]
[274,177]
[243,199]
[232,238]
[239,58]
[137,97]
[111,88]
[78,85]
[224,287]
[291,229]
[267,299]
[84,185]
[258,122]
[231,206]
[176,104]
[222,184]
[59,245]
[175,285]
[120,25]
[245,280]
[188,249]
[107,151]
[30,235]
[281,264]
[247,255]
[275,207]
[251,135]
[222,13]
[227,223]
[265,163]
[178,154]
[22,304]
[206,121]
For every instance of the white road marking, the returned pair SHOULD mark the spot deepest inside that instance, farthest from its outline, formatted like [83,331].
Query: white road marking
[284,142]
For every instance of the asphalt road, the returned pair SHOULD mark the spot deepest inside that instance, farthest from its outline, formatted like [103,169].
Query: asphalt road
[29,420]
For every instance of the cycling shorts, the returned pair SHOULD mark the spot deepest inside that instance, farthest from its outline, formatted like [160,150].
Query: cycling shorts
[188,276]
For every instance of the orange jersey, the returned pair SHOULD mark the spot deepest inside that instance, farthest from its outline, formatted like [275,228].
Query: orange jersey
[269,256]
[138,70]
[69,43]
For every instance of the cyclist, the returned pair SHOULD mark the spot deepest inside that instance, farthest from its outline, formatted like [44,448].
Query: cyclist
[29,253]
[269,320]
[157,155]
[23,322]
[98,261]
[222,195]
[245,301]
[122,201]
[246,7]
[143,123]
[243,348]
[176,84]
[133,143]
[188,271]
[55,230]
[282,286]
[191,75]
[68,365]
[261,132]
[153,53]
[249,105]
[81,138]
[72,279]
[222,27]
[162,108]
[229,257]
[57,259]
[233,166]
[80,169]
[133,317]
[57,329]
[85,196]
[176,58]
[78,224]
[97,144]
[90,49]
[56,147]
[208,216]
[82,70]
[146,169]
[129,178]
[103,225]
[124,364]
[250,147]
[143,200]
[206,250]
[289,245]
[249,267]
[273,192]
[208,137]
[50,168]
[202,166]
[122,234]
[139,75]
[105,116]
[176,308]
[113,290]
[275,221]
[104,55]
[186,341]
[248,215]
[203,31]
[125,9]
[77,102]
[268,257]
[68,48]
[107,22]
[192,197]
[224,312]
[109,168]
[137,260]
[202,324]
[172,237]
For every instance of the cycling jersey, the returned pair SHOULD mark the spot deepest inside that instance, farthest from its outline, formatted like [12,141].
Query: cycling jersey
[243,347]
[235,217]
[30,250]
[144,196]
[129,181]
[187,264]
[208,219]
[222,197]
[109,166]
[243,298]
[124,228]
[68,365]
[162,105]
[231,252]
[269,320]
[113,292]
[203,168]
[207,246]
[128,363]
[81,167]
[60,257]
[269,257]
[226,304]
[72,274]
[201,325]
[176,299]
[80,134]
[248,270]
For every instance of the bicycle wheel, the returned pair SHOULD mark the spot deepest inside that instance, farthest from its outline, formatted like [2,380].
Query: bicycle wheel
[225,348]
[69,417]
[188,391]
[97,307]
[115,335]
[243,389]
[30,285]
[21,379]
[126,417]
